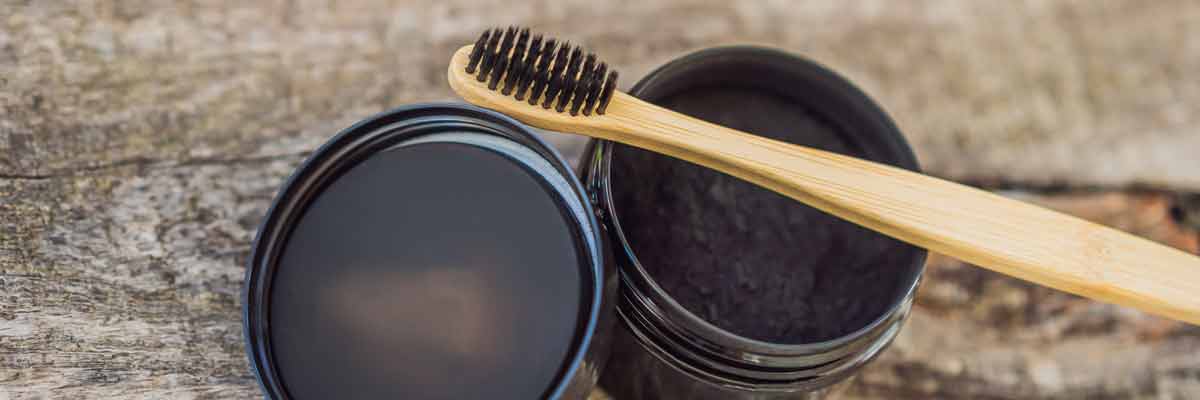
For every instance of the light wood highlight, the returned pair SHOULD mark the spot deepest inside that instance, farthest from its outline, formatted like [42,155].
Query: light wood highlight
[991,231]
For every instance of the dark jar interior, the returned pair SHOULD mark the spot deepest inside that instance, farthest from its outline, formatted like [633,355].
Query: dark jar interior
[728,288]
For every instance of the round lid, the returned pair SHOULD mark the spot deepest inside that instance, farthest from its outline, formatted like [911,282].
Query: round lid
[442,266]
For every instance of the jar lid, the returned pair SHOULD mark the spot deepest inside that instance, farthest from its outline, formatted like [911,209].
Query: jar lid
[433,251]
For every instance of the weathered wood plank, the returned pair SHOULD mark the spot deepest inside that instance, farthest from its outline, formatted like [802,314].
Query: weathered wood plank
[126,283]
[1075,92]
[141,141]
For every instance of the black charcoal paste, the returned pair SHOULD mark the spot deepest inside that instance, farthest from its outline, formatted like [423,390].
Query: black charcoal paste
[748,260]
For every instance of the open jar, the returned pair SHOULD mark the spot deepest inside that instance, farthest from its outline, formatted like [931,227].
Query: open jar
[728,290]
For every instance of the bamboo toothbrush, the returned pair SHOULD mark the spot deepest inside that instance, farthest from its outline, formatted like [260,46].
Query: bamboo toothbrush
[511,73]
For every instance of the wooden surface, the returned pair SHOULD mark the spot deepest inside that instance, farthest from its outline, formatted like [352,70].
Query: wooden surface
[1001,234]
[141,141]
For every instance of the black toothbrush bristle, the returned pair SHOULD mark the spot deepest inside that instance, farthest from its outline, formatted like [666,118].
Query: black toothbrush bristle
[593,91]
[539,78]
[569,79]
[502,58]
[516,62]
[489,56]
[477,52]
[528,67]
[606,94]
[541,70]
[554,80]
[583,84]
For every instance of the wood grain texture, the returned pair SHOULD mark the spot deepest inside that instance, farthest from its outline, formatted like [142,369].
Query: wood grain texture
[994,232]
[141,142]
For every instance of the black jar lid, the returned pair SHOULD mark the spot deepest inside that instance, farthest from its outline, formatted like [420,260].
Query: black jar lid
[433,251]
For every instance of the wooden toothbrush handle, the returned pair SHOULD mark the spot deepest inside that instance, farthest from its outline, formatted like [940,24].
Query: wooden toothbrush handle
[994,232]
